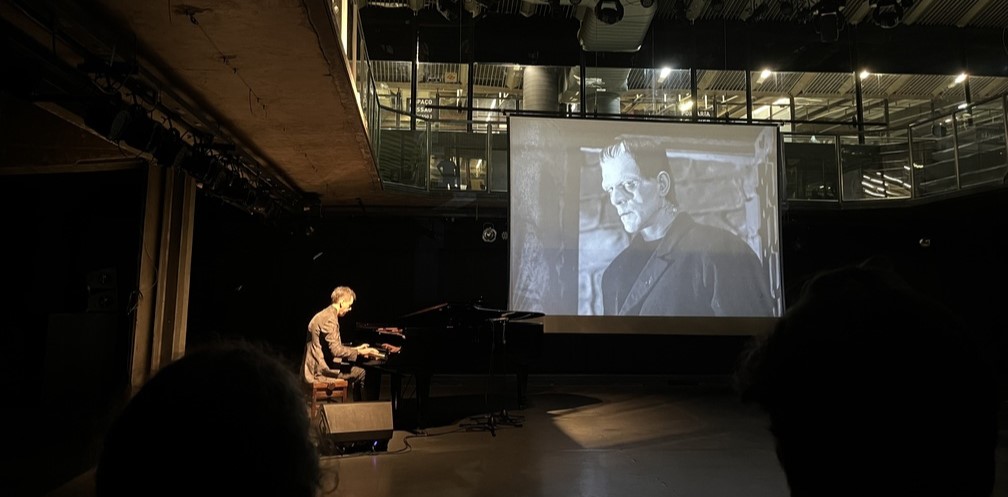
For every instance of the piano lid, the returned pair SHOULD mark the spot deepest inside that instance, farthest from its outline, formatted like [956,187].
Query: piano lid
[456,313]
[502,315]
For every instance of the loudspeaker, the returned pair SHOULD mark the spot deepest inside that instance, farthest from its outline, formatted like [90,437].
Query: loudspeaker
[357,422]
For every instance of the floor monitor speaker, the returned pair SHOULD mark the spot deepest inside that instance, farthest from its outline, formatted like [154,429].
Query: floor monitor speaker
[357,421]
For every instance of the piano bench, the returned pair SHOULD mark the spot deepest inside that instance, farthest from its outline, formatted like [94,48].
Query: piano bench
[334,390]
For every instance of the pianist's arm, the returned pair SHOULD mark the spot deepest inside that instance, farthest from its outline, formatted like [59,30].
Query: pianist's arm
[335,344]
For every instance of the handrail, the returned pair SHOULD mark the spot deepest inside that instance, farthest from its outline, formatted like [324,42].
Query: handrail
[912,167]
[852,181]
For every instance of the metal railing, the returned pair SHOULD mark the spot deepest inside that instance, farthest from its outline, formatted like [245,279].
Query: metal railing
[961,150]
[946,155]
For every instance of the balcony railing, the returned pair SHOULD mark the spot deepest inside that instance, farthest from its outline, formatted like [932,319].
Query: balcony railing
[961,150]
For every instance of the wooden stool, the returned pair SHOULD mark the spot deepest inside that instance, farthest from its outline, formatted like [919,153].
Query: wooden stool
[334,390]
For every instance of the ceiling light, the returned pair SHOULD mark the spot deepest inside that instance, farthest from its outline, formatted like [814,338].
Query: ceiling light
[864,74]
[960,78]
[764,75]
[664,74]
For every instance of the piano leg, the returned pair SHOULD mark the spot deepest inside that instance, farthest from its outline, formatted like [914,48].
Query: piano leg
[423,381]
[372,384]
[395,385]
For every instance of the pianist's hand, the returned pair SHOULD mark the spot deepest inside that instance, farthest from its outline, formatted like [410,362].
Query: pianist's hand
[392,349]
[370,352]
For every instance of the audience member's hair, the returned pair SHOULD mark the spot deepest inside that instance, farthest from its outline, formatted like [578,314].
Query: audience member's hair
[229,419]
[873,388]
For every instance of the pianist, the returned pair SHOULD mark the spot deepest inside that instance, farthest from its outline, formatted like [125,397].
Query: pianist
[325,364]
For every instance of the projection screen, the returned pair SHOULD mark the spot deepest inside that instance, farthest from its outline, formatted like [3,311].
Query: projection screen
[620,226]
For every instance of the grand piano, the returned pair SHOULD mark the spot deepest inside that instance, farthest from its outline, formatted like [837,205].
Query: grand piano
[453,338]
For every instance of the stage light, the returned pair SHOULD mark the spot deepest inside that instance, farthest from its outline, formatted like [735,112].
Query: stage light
[829,27]
[206,169]
[829,19]
[261,201]
[171,151]
[609,11]
[448,8]
[489,233]
[643,3]
[786,8]
[756,13]
[101,114]
[889,13]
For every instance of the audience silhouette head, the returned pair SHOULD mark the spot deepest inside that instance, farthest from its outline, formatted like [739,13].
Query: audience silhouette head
[872,388]
[228,419]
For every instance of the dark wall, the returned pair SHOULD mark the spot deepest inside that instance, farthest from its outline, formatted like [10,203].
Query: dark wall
[69,259]
[266,281]
[71,250]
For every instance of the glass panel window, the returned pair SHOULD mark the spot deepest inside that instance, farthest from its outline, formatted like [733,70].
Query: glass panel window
[658,92]
[721,95]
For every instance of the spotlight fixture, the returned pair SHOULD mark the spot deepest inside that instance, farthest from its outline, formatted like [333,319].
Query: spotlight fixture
[101,114]
[171,151]
[609,11]
[829,19]
[448,8]
[889,13]
[787,8]
[679,9]
[756,13]
[489,233]
[644,3]
[133,126]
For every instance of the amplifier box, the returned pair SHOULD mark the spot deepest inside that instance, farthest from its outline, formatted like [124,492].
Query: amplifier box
[357,421]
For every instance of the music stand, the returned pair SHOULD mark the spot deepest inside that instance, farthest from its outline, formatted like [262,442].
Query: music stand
[492,419]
